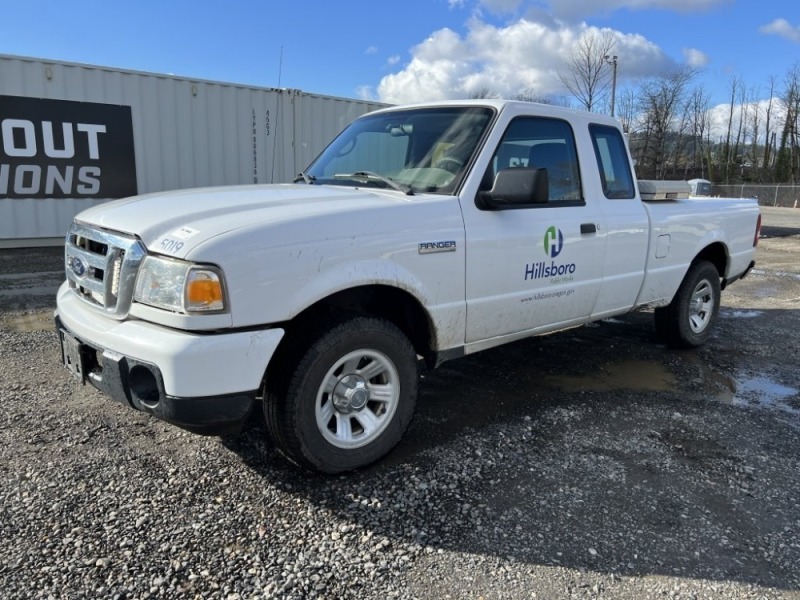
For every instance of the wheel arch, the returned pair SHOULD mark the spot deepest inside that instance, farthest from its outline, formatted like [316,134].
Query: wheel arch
[396,305]
[717,254]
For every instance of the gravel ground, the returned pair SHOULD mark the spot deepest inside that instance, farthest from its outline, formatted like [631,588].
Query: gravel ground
[594,463]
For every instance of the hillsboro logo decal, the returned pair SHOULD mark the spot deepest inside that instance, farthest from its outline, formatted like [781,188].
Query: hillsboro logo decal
[553,241]
[556,272]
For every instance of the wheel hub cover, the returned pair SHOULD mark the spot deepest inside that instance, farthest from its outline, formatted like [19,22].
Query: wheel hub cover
[350,394]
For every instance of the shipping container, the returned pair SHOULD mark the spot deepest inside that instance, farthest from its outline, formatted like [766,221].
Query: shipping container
[73,135]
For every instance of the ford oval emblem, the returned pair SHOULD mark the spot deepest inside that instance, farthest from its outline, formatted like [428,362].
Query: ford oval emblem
[78,266]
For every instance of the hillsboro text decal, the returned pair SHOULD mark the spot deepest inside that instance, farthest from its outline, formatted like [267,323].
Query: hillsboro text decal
[556,272]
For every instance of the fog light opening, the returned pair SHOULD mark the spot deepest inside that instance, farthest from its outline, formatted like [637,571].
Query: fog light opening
[144,386]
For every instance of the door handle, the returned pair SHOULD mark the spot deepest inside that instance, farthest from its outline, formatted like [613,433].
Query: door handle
[588,228]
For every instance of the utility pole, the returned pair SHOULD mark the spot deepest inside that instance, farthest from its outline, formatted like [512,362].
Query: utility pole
[612,60]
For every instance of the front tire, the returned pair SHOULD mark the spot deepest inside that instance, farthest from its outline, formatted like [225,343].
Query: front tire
[344,396]
[688,320]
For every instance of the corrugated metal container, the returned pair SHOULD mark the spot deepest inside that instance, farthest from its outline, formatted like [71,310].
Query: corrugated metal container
[74,135]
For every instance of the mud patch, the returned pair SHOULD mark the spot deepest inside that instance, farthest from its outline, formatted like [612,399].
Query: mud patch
[637,375]
[40,321]
[27,291]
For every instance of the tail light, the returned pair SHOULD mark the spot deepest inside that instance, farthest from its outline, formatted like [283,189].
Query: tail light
[758,231]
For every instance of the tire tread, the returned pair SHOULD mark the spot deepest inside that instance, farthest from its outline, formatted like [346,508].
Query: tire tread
[292,369]
[670,322]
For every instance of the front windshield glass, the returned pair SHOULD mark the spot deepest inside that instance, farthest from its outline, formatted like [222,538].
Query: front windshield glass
[416,150]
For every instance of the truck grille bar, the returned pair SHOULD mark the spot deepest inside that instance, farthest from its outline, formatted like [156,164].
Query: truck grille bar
[101,267]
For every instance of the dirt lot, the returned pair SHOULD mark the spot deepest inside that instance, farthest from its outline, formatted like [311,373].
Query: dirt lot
[595,463]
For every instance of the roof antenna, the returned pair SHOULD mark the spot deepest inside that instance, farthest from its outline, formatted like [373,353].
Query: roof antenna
[277,117]
[280,67]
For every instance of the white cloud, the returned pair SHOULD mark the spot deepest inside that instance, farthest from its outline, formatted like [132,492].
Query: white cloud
[582,8]
[456,3]
[501,6]
[365,92]
[371,50]
[524,55]
[695,57]
[393,60]
[782,28]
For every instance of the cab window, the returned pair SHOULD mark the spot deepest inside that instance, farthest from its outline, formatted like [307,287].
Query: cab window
[544,144]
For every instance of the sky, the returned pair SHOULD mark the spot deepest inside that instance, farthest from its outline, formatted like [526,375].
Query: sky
[412,50]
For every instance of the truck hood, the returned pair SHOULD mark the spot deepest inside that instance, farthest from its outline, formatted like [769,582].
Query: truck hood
[176,222]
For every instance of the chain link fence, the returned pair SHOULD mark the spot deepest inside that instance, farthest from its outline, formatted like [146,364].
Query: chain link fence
[767,195]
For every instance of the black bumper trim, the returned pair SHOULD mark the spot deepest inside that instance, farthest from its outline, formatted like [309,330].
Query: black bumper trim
[206,415]
[727,282]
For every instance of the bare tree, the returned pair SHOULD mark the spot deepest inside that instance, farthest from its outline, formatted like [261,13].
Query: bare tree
[484,93]
[769,135]
[698,112]
[736,119]
[531,95]
[587,75]
[679,144]
[755,115]
[744,108]
[662,103]
[626,109]
[787,165]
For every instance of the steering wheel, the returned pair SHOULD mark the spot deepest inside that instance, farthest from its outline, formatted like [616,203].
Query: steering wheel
[449,163]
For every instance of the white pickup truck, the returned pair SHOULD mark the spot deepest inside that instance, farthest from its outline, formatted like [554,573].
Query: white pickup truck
[430,231]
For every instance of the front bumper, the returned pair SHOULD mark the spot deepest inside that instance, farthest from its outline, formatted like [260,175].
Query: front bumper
[204,382]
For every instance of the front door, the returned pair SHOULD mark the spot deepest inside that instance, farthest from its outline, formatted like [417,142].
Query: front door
[538,267]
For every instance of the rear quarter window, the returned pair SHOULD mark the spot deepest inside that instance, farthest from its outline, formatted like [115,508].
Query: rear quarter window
[612,162]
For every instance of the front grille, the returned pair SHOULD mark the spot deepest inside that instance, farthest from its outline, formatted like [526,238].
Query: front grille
[101,267]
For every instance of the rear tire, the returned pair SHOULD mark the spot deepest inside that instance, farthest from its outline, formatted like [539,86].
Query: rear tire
[688,320]
[343,396]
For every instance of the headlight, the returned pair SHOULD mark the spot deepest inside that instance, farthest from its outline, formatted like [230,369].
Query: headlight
[179,286]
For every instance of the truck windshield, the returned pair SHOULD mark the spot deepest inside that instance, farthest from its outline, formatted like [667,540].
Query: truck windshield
[415,150]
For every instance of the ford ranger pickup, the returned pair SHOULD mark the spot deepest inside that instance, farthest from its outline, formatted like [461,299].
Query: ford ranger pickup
[421,234]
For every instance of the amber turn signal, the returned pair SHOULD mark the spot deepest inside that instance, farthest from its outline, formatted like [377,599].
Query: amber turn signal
[204,291]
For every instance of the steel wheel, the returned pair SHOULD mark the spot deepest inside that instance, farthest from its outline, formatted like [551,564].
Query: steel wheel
[357,399]
[687,322]
[701,306]
[341,392]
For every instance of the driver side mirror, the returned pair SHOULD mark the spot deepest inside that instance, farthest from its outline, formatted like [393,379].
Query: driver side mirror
[516,187]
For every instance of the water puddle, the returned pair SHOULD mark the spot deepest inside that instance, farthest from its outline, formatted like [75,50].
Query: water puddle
[615,321]
[740,314]
[765,273]
[649,376]
[787,275]
[766,291]
[638,375]
[745,390]
[764,392]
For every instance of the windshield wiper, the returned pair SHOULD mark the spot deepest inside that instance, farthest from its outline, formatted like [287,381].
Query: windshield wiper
[372,176]
[309,179]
